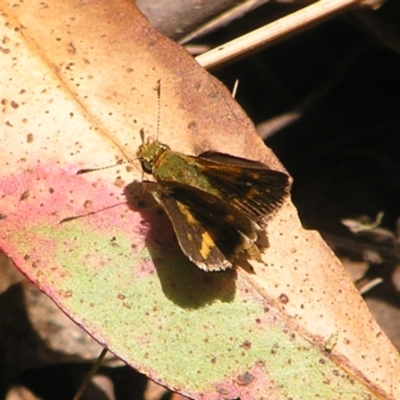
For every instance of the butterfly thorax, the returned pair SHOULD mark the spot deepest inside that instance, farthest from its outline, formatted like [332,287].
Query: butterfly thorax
[176,169]
[170,167]
[149,153]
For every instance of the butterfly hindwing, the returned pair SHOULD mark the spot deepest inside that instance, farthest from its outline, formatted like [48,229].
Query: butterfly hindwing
[210,232]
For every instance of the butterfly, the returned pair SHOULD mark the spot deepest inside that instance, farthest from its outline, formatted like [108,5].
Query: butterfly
[215,201]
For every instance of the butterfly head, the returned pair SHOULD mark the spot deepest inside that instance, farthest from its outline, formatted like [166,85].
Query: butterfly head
[149,152]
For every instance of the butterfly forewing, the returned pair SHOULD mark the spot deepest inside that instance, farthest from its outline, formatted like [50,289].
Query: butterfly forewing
[251,186]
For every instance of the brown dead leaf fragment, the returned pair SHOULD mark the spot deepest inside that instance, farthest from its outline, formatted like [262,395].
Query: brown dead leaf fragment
[83,75]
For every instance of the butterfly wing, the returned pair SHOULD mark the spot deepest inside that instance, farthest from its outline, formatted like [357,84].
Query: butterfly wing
[250,186]
[210,232]
[214,202]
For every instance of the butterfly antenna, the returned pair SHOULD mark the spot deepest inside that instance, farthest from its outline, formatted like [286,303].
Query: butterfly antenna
[159,106]
[68,219]
[86,170]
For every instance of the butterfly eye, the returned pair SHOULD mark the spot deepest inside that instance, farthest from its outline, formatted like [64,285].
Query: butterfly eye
[147,166]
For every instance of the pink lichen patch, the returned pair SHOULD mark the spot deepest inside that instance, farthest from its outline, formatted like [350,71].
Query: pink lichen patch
[49,213]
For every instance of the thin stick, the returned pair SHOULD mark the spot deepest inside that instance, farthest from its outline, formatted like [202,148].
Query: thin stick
[223,19]
[90,374]
[235,88]
[281,28]
[370,285]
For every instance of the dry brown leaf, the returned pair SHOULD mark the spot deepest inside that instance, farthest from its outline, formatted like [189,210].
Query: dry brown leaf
[79,83]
